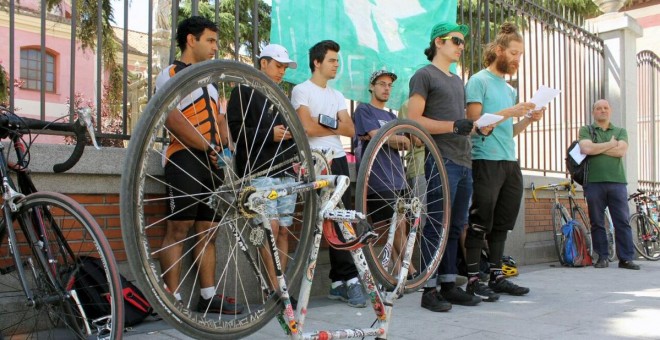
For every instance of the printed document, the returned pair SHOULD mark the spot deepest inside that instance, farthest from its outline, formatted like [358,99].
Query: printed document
[577,154]
[488,119]
[543,96]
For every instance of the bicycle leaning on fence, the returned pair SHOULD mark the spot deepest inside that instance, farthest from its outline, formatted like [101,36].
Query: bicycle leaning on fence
[45,237]
[240,228]
[645,229]
[561,215]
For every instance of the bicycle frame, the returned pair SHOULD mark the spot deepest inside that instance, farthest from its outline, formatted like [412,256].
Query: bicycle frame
[332,189]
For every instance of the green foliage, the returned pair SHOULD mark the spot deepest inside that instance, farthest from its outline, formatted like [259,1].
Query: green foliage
[226,15]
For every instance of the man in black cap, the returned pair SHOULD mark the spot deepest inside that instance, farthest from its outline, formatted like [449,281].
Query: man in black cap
[437,102]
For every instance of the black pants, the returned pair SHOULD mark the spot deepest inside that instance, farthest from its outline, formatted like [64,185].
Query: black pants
[342,267]
[496,199]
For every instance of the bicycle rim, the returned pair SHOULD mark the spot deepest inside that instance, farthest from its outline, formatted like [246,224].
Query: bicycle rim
[239,265]
[609,231]
[64,232]
[558,220]
[382,190]
[645,236]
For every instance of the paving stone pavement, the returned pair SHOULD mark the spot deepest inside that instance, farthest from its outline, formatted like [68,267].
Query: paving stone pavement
[564,303]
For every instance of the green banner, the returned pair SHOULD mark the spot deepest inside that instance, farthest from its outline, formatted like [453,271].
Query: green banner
[373,34]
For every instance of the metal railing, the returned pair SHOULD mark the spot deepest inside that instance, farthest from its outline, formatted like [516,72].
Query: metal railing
[139,56]
[559,53]
[648,79]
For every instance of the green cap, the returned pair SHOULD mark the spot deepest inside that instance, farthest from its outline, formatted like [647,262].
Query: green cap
[445,28]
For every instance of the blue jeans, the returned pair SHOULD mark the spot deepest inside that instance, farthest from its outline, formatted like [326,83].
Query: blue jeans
[615,197]
[460,189]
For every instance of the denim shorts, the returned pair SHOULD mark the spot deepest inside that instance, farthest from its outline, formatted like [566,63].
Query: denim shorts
[282,208]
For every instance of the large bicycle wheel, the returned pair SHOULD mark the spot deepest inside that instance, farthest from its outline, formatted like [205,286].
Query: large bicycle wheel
[646,236]
[53,233]
[559,218]
[390,202]
[236,231]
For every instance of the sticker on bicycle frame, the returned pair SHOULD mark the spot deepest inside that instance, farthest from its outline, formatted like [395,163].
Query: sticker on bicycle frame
[321,184]
[273,195]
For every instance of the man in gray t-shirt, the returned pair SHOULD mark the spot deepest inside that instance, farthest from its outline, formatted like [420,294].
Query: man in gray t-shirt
[437,102]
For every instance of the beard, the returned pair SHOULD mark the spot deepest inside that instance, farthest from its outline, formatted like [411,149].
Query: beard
[502,64]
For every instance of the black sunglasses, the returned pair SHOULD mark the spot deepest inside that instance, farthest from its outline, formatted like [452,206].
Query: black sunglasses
[456,40]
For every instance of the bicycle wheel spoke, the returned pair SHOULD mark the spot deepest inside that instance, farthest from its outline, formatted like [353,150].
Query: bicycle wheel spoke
[159,204]
[53,235]
[392,179]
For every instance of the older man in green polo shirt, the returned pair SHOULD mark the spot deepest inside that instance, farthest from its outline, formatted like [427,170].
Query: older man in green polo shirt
[606,185]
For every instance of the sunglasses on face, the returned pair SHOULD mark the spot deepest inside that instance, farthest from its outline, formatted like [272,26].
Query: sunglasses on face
[456,40]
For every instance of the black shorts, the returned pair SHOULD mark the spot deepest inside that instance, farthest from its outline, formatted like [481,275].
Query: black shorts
[190,179]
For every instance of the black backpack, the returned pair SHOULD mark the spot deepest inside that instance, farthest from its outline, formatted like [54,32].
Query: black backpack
[92,289]
[577,171]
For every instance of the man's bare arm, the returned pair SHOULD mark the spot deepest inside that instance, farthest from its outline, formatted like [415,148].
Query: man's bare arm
[619,150]
[588,147]
[345,124]
[311,126]
[416,109]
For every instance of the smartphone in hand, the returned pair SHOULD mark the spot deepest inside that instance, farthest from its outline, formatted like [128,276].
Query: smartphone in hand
[328,122]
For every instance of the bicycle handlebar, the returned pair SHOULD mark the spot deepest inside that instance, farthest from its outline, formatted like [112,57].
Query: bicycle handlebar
[11,122]
[568,185]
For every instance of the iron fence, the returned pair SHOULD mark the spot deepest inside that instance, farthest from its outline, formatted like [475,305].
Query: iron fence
[124,60]
[559,53]
[648,78]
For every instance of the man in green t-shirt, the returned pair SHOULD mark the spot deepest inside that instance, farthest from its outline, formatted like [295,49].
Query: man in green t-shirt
[605,186]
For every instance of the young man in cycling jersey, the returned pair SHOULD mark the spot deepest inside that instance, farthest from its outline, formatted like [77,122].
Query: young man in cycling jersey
[195,126]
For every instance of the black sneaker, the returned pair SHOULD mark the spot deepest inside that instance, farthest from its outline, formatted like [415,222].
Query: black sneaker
[628,265]
[508,287]
[602,263]
[219,304]
[458,296]
[434,302]
[479,289]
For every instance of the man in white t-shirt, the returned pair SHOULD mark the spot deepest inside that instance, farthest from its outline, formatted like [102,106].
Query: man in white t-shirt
[322,111]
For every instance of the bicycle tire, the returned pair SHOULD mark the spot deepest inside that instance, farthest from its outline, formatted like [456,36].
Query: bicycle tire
[558,220]
[611,241]
[239,267]
[646,238]
[585,227]
[378,256]
[69,232]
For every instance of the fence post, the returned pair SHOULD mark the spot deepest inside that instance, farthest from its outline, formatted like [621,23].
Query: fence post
[619,32]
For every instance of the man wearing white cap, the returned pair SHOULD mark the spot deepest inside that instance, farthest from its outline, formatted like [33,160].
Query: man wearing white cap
[262,140]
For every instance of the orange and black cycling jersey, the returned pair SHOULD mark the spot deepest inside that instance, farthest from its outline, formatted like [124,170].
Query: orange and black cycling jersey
[200,108]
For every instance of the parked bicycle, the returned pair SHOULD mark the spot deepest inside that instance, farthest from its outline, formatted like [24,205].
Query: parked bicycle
[238,229]
[562,215]
[645,229]
[44,237]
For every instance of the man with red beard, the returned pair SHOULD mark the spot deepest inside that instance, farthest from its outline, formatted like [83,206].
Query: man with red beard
[497,179]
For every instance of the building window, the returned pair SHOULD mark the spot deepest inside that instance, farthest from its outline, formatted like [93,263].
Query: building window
[31,70]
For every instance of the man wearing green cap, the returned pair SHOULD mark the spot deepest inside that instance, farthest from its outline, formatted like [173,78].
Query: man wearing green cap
[437,102]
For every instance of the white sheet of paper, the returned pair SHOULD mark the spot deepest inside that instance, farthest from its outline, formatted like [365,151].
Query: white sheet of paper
[488,119]
[577,154]
[543,96]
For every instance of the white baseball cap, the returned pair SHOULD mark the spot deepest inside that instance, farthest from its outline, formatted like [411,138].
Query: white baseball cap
[279,53]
